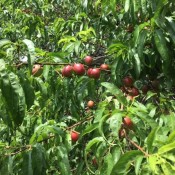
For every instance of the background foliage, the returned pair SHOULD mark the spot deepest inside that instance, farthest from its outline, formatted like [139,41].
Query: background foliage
[37,113]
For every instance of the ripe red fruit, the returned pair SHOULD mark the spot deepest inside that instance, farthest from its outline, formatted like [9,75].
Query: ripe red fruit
[134,92]
[67,71]
[88,60]
[74,136]
[128,81]
[104,67]
[79,69]
[145,89]
[127,122]
[89,72]
[95,73]
[90,104]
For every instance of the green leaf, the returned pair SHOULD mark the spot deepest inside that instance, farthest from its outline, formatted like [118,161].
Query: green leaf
[31,52]
[166,148]
[13,95]
[88,147]
[108,165]
[171,137]
[151,139]
[162,48]
[28,90]
[92,142]
[125,160]
[27,163]
[39,160]
[63,161]
[115,122]
[43,131]
[115,91]
[153,161]
[127,5]
[138,164]
[141,44]
[90,128]
[137,65]
[4,42]
[167,168]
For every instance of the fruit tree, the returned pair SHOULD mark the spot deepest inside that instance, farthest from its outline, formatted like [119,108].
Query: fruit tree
[87,87]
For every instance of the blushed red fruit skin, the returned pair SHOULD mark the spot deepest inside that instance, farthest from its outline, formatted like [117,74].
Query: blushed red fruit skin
[90,104]
[79,69]
[127,122]
[88,60]
[134,92]
[95,73]
[121,133]
[37,70]
[89,72]
[94,161]
[128,81]
[67,71]
[74,136]
[145,89]
[104,67]
[129,97]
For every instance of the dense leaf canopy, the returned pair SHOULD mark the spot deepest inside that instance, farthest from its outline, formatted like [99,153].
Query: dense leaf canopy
[47,125]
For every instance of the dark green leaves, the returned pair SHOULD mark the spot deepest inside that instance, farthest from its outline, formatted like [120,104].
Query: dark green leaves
[34,161]
[122,165]
[162,48]
[115,91]
[13,95]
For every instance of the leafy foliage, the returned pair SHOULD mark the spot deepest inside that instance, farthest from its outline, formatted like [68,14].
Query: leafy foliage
[39,108]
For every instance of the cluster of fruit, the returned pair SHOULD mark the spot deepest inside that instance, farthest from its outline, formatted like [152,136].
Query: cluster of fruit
[130,91]
[128,87]
[79,69]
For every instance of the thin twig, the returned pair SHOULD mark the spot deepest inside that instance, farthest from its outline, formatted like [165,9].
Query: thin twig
[137,146]
[51,136]
[28,147]
[80,122]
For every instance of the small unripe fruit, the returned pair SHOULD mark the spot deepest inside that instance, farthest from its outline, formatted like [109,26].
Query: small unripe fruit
[74,136]
[104,67]
[79,69]
[94,161]
[67,71]
[134,92]
[122,133]
[90,104]
[37,70]
[127,122]
[95,73]
[88,60]
[128,81]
